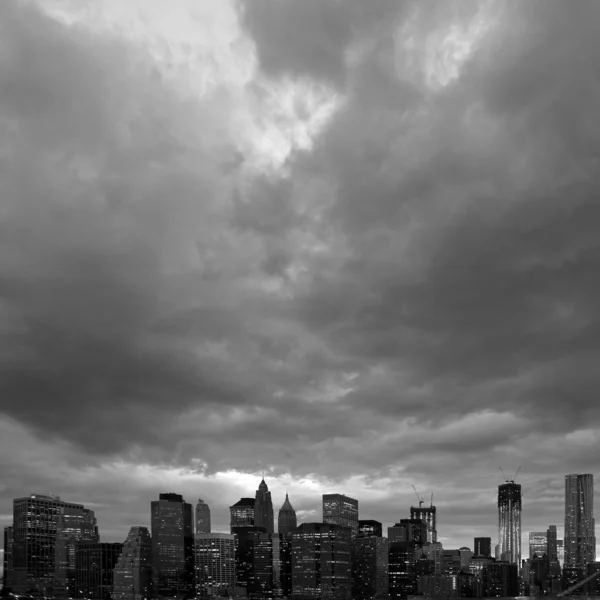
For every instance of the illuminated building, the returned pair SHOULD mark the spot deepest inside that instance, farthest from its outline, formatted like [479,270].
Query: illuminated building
[35,521]
[369,528]
[73,525]
[263,508]
[592,588]
[132,575]
[369,558]
[341,510]
[509,522]
[94,569]
[321,567]
[242,513]
[538,543]
[7,559]
[202,517]
[172,547]
[215,563]
[429,515]
[286,521]
[246,539]
[402,570]
[580,535]
[269,566]
[482,546]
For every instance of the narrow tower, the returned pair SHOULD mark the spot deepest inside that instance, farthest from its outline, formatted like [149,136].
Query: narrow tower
[509,522]
[263,508]
[202,517]
[286,522]
[580,526]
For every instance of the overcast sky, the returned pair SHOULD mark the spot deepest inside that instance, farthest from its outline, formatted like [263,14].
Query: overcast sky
[354,244]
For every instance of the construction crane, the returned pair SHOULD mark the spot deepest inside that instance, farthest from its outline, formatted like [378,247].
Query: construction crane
[418,497]
[517,472]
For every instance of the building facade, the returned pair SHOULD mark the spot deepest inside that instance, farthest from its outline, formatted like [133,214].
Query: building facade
[94,569]
[132,575]
[409,530]
[269,565]
[509,522]
[482,546]
[242,513]
[370,528]
[429,515]
[552,552]
[341,510]
[538,543]
[215,563]
[369,558]
[286,521]
[580,526]
[403,580]
[263,508]
[7,561]
[35,523]
[202,517]
[321,565]
[172,547]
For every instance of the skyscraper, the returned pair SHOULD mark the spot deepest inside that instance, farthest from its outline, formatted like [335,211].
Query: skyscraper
[580,526]
[35,520]
[552,552]
[509,522]
[321,566]
[429,515]
[409,530]
[269,559]
[132,575]
[341,510]
[242,513]
[538,543]
[7,560]
[215,563]
[202,517]
[172,547]
[94,569]
[369,567]
[370,528]
[286,521]
[482,546]
[263,508]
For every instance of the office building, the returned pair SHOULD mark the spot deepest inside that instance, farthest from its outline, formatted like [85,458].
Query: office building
[286,521]
[242,514]
[500,579]
[321,566]
[370,528]
[341,510]
[435,553]
[592,588]
[438,586]
[263,508]
[465,558]
[202,517]
[369,559]
[429,515]
[246,540]
[35,520]
[215,563]
[552,552]
[73,525]
[269,566]
[402,570]
[172,547]
[409,530]
[538,543]
[7,559]
[132,575]
[580,527]
[509,522]
[94,569]
[482,546]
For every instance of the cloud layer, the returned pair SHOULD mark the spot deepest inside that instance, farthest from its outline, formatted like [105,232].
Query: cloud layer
[353,246]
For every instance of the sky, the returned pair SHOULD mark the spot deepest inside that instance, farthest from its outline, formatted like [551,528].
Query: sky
[352,244]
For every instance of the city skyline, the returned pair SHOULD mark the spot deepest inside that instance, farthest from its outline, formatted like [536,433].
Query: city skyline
[352,245]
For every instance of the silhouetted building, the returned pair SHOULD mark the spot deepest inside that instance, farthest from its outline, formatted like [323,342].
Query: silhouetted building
[321,566]
[482,546]
[35,520]
[434,552]
[509,522]
[500,579]
[94,569]
[269,563]
[286,521]
[429,515]
[215,563]
[370,528]
[402,570]
[341,510]
[438,586]
[242,514]
[246,539]
[552,552]
[580,526]
[73,525]
[538,571]
[263,508]
[202,517]
[132,575]
[369,558]
[409,530]
[465,558]
[286,564]
[572,576]
[172,547]
[7,559]
[592,588]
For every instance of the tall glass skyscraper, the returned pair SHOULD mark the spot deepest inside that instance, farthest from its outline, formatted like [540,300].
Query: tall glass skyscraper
[580,526]
[509,522]
[341,510]
[215,563]
[172,547]
[263,508]
[242,514]
[202,517]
